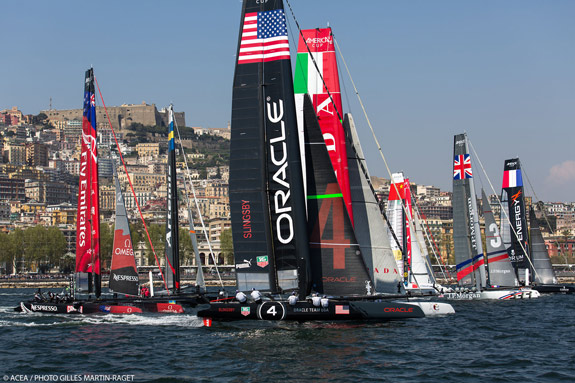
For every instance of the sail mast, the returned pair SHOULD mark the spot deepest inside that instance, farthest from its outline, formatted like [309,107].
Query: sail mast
[172,230]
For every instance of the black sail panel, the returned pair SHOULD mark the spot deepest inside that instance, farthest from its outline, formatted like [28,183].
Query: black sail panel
[266,189]
[337,264]
[513,186]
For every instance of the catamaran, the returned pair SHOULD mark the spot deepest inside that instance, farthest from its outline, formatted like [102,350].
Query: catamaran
[528,253]
[472,278]
[291,221]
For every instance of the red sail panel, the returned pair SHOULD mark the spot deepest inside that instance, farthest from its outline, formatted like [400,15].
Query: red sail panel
[88,215]
[328,110]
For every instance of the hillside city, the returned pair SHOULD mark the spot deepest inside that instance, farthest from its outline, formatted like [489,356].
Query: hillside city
[39,180]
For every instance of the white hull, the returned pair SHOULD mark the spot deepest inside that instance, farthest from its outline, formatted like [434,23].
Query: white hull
[433,308]
[523,293]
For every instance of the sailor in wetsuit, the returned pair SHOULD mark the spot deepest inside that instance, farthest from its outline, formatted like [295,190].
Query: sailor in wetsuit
[316,300]
[241,297]
[292,300]
[256,295]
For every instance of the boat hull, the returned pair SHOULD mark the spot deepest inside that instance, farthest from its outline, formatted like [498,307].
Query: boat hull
[336,310]
[105,307]
[495,294]
[554,289]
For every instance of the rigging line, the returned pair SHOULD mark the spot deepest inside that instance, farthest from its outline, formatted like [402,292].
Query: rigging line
[371,128]
[551,231]
[196,202]
[315,64]
[329,93]
[504,210]
[130,182]
[431,243]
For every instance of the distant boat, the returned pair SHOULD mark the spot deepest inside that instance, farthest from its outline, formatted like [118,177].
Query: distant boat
[124,277]
[409,250]
[529,255]
[291,238]
[467,243]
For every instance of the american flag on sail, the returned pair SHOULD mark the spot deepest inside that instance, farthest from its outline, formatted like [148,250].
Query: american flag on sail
[462,167]
[264,37]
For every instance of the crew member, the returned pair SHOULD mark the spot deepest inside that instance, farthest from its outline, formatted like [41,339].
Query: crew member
[256,295]
[292,300]
[241,297]
[316,300]
[324,301]
[38,295]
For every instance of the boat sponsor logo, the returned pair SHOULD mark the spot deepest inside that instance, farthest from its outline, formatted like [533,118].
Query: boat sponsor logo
[43,308]
[471,223]
[518,215]
[511,164]
[281,204]
[317,41]
[262,261]
[245,265]
[435,307]
[246,219]
[245,311]
[226,309]
[342,310]
[398,310]
[130,278]
[71,309]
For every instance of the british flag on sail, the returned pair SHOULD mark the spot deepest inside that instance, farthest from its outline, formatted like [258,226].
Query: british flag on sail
[88,219]
[264,37]
[462,167]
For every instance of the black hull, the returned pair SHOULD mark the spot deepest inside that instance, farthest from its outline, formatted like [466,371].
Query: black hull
[554,289]
[173,304]
[305,311]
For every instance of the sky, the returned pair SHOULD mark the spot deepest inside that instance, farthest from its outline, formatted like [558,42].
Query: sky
[502,71]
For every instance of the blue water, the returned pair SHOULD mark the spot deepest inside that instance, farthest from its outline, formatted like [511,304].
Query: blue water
[501,341]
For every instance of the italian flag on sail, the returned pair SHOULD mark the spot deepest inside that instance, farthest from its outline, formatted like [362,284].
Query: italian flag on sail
[309,80]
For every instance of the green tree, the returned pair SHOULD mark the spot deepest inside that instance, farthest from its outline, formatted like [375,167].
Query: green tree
[157,235]
[186,246]
[106,245]
[227,246]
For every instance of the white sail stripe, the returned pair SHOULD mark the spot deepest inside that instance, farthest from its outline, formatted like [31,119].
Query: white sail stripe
[264,41]
[251,18]
[263,56]
[265,48]
[249,34]
[314,82]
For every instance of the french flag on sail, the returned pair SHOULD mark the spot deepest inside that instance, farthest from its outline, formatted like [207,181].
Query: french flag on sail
[512,178]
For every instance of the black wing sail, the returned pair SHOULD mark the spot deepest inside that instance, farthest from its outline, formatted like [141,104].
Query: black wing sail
[513,187]
[337,264]
[266,188]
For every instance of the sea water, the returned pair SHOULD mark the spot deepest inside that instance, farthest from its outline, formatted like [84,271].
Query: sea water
[485,341]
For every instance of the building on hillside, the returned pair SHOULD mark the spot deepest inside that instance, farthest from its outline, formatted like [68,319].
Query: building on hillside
[121,117]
